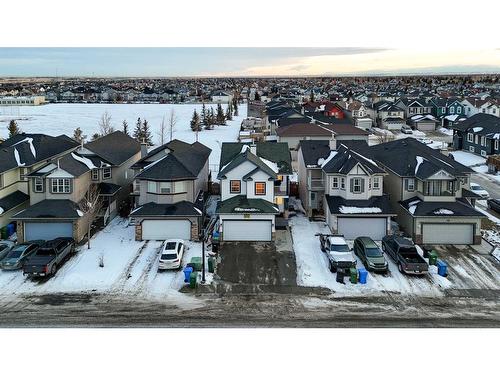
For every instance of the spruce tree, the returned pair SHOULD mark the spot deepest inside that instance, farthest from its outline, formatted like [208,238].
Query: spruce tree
[195,122]
[146,133]
[220,118]
[138,130]
[95,136]
[229,112]
[125,127]
[203,120]
[13,128]
[78,135]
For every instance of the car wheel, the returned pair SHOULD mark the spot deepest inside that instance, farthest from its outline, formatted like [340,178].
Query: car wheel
[53,270]
[333,269]
[400,268]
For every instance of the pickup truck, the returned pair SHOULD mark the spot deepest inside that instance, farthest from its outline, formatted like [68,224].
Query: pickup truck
[405,255]
[337,251]
[46,259]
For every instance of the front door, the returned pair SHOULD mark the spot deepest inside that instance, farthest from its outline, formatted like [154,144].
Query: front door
[314,200]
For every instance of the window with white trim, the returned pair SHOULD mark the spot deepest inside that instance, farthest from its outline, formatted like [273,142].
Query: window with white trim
[483,141]
[95,174]
[335,182]
[61,186]
[166,188]
[452,110]
[496,148]
[38,185]
[471,148]
[356,185]
[459,109]
[470,137]
[410,184]
[483,153]
[106,173]
[152,187]
[376,182]
[342,183]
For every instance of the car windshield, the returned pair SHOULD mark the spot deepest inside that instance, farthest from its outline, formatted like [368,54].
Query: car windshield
[3,247]
[407,250]
[476,187]
[45,252]
[168,256]
[170,245]
[340,248]
[15,254]
[373,252]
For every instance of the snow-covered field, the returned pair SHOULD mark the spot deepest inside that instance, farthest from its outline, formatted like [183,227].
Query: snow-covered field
[56,119]
[130,268]
[312,270]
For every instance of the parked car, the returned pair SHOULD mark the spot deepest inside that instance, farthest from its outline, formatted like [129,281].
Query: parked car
[494,205]
[370,254]
[171,255]
[479,190]
[406,129]
[48,257]
[405,255]
[337,251]
[5,247]
[18,255]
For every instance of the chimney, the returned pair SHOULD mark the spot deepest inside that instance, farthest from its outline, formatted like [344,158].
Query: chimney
[333,143]
[144,148]
[253,148]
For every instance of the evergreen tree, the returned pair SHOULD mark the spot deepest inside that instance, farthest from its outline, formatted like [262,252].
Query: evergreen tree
[203,120]
[311,97]
[95,136]
[78,135]
[220,118]
[257,96]
[13,128]
[125,127]
[229,112]
[138,130]
[195,122]
[210,121]
[146,133]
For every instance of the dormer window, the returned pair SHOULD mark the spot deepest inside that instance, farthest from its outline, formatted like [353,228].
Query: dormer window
[38,185]
[95,174]
[106,173]
[61,186]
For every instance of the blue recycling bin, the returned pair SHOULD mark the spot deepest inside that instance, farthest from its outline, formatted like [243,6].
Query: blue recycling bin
[10,229]
[363,275]
[442,268]
[187,274]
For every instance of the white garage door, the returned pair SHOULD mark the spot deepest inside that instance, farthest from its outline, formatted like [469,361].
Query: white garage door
[165,229]
[352,227]
[246,230]
[448,234]
[47,231]
[426,126]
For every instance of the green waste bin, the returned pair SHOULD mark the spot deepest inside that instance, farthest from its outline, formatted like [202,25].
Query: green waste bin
[196,263]
[211,263]
[353,274]
[193,279]
[4,234]
[433,258]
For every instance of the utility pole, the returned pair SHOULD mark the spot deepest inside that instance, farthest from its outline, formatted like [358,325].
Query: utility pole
[203,238]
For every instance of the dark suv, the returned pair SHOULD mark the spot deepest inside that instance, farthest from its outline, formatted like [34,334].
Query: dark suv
[370,254]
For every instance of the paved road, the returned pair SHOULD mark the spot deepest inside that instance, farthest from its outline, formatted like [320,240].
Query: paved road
[258,310]
[491,186]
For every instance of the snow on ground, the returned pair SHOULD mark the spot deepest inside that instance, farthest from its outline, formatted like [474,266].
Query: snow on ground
[312,269]
[445,131]
[130,268]
[63,118]
[468,159]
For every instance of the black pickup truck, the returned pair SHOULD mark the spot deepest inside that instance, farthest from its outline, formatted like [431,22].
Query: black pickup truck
[46,259]
[405,255]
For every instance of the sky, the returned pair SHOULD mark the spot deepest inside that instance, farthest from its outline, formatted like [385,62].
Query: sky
[221,61]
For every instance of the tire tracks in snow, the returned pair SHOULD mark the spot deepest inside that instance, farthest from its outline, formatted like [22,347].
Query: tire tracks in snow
[119,284]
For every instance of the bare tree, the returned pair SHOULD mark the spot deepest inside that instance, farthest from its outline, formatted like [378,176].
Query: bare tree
[90,206]
[172,122]
[162,131]
[105,127]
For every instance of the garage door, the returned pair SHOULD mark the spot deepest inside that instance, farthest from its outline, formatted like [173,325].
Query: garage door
[448,234]
[47,231]
[165,229]
[246,230]
[352,227]
[426,126]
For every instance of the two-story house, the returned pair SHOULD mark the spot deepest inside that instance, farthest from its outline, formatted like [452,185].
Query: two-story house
[429,193]
[169,191]
[414,107]
[19,156]
[479,134]
[354,201]
[254,189]
[57,188]
[387,115]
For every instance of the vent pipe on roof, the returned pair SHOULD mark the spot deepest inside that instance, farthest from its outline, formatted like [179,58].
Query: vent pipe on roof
[144,148]
[332,143]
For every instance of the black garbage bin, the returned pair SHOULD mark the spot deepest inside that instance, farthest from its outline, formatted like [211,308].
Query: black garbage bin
[340,275]
[426,250]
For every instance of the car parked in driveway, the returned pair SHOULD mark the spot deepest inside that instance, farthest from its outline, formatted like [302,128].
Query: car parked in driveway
[479,190]
[337,251]
[406,129]
[370,254]
[405,255]
[171,255]
[5,247]
[494,205]
[47,258]
[18,255]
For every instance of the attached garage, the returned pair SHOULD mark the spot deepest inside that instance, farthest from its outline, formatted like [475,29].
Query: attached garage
[352,227]
[47,231]
[165,229]
[247,230]
[448,233]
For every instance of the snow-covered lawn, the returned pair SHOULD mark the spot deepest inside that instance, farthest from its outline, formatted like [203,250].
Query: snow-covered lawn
[312,270]
[468,159]
[130,268]
[56,119]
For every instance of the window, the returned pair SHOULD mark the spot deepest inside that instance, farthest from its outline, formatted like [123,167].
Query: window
[356,185]
[369,184]
[410,184]
[483,141]
[38,185]
[22,173]
[471,148]
[483,153]
[152,187]
[470,137]
[260,188]
[235,186]
[342,183]
[376,182]
[459,109]
[496,148]
[106,173]
[335,183]
[166,188]
[452,110]
[95,174]
[61,186]
[476,140]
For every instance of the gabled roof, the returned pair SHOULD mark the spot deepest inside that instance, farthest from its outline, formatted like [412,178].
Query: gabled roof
[116,147]
[50,209]
[301,130]
[410,158]
[28,149]
[314,150]
[459,207]
[240,204]
[347,158]
[378,205]
[243,157]
[481,124]
[182,208]
[12,200]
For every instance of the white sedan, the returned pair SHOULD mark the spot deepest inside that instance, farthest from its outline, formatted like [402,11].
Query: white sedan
[171,255]
[479,190]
